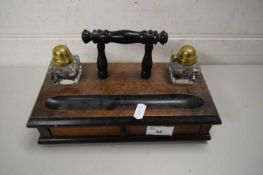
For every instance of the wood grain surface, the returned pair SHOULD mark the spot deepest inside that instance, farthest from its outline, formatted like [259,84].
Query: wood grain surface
[124,79]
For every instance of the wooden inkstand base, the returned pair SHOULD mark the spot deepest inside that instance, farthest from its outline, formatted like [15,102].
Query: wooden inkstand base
[96,110]
[100,107]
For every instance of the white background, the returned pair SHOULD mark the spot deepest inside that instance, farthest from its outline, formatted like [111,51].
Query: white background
[223,32]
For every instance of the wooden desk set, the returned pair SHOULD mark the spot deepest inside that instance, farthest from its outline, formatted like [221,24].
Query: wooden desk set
[88,102]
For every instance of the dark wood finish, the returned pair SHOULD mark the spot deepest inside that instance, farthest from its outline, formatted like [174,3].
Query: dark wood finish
[102,37]
[205,129]
[147,61]
[102,63]
[74,125]
[188,137]
[45,132]
[124,37]
[121,102]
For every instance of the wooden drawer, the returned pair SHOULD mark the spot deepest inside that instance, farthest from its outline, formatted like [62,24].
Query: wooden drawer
[116,130]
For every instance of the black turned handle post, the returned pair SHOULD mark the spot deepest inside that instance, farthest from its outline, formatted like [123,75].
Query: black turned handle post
[147,62]
[102,37]
[102,63]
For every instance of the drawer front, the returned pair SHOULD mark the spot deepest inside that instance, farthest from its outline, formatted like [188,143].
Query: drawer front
[117,130]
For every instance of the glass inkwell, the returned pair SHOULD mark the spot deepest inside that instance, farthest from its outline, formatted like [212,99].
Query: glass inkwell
[64,68]
[183,67]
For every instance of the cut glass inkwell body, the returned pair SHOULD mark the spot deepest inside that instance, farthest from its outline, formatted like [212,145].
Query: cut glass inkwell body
[64,68]
[183,67]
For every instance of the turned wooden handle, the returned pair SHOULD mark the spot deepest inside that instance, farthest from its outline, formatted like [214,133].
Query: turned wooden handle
[102,37]
[124,36]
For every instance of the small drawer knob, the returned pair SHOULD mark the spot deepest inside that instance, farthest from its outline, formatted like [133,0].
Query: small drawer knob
[123,132]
